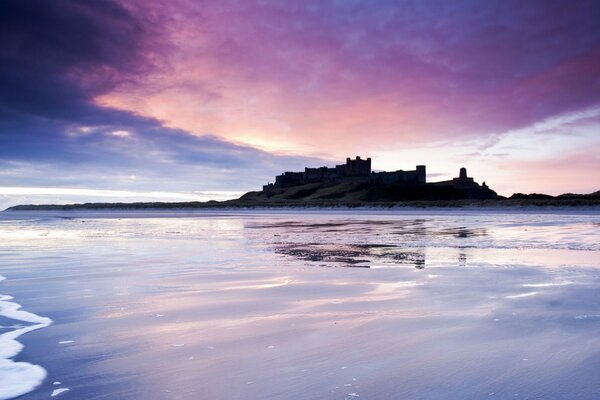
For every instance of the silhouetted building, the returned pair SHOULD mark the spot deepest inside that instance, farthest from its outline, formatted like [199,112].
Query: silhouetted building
[356,167]
[463,181]
[354,170]
[366,185]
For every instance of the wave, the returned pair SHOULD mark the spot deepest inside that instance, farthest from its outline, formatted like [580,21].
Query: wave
[18,378]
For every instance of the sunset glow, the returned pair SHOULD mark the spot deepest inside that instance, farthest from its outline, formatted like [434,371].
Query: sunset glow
[203,96]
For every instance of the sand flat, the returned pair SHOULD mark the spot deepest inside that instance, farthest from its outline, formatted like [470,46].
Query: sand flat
[293,305]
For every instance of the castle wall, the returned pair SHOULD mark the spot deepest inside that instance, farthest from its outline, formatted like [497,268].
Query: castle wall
[313,174]
[288,179]
[355,170]
[322,174]
[386,178]
[409,177]
[331,174]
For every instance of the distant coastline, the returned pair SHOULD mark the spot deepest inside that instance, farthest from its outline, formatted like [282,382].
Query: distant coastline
[515,201]
[355,185]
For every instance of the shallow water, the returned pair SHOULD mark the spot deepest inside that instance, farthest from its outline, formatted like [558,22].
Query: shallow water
[433,304]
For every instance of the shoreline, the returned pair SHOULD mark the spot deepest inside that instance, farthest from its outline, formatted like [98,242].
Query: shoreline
[503,204]
[125,213]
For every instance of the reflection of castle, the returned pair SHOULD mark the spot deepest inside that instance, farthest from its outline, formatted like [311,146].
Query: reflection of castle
[357,170]
[418,257]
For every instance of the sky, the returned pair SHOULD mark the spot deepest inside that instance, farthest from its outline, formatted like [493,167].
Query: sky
[122,100]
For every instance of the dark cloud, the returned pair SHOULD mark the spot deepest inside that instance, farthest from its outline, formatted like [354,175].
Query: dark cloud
[464,67]
[482,65]
[56,153]
[56,56]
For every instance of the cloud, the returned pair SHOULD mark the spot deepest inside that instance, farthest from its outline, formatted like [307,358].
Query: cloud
[345,75]
[56,57]
[184,94]
[157,156]
[551,174]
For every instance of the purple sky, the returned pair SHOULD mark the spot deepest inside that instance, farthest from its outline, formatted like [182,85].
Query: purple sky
[192,96]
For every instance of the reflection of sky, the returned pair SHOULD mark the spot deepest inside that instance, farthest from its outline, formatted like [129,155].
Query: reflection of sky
[205,305]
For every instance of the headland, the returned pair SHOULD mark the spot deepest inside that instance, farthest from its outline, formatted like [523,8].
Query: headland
[355,181]
[355,184]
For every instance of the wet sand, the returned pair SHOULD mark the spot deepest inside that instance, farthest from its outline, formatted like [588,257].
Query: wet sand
[292,305]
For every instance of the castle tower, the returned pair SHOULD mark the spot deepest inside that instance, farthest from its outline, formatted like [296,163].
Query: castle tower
[463,174]
[421,174]
[357,167]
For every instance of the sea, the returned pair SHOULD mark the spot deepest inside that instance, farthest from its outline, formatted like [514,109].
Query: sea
[300,304]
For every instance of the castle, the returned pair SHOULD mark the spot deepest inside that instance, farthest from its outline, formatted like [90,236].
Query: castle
[359,171]
[354,181]
[354,170]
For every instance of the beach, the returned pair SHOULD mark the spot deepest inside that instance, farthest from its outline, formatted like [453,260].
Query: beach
[300,304]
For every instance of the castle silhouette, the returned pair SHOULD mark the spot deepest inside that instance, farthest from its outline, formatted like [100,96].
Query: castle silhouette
[359,171]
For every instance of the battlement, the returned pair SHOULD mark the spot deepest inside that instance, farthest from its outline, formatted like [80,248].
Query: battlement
[356,167]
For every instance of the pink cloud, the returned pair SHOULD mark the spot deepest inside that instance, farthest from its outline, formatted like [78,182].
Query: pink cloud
[337,79]
[574,172]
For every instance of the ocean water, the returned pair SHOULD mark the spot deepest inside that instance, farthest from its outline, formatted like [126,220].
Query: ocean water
[347,304]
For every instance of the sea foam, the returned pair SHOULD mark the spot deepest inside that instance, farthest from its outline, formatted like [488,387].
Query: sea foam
[18,378]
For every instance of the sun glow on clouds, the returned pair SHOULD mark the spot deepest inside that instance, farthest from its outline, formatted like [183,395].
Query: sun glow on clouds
[379,87]
[79,131]
[550,137]
[225,94]
[547,155]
